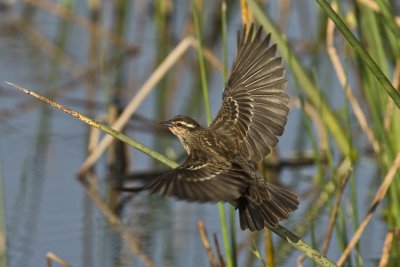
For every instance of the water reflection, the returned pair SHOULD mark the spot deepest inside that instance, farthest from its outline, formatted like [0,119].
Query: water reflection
[41,149]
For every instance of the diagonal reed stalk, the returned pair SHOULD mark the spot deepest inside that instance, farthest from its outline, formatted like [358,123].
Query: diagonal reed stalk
[380,194]
[147,87]
[377,31]
[118,135]
[284,233]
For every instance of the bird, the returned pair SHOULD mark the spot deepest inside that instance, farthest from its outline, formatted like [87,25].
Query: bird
[221,158]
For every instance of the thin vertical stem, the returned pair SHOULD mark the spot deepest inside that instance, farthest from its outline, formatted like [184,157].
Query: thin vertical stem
[3,243]
[200,50]
[202,64]
[232,213]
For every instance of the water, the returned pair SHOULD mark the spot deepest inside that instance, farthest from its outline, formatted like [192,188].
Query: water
[41,150]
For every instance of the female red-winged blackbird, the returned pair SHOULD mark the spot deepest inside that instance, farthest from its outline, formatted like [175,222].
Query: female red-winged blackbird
[221,158]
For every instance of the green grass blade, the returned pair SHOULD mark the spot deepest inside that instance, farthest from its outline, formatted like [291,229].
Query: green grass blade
[310,88]
[367,59]
[202,63]
[221,208]
[279,230]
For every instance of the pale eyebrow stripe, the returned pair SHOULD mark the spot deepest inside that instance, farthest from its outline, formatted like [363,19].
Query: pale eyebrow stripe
[187,124]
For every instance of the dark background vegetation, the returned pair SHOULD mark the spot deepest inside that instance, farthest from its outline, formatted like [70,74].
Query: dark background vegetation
[140,59]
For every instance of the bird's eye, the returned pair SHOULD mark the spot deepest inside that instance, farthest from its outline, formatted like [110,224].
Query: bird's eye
[179,124]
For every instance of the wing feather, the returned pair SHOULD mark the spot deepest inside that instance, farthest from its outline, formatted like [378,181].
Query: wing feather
[254,107]
[202,180]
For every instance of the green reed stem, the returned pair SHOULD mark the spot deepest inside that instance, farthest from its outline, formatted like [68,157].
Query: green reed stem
[303,78]
[359,49]
[200,50]
[232,213]
[303,247]
[284,233]
[202,63]
[118,135]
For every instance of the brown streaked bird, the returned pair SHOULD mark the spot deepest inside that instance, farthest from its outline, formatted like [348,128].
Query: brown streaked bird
[221,157]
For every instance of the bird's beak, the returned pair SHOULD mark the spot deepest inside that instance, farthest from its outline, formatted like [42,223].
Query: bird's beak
[166,123]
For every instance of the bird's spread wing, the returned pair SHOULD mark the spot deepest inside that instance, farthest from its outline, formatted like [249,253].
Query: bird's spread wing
[255,107]
[201,180]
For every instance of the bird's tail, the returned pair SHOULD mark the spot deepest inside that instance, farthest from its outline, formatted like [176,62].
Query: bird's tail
[273,207]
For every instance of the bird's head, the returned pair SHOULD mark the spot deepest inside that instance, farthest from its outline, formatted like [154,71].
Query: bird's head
[181,126]
[184,128]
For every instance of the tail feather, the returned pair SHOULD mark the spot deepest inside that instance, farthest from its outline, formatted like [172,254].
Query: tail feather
[284,196]
[255,215]
[250,216]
